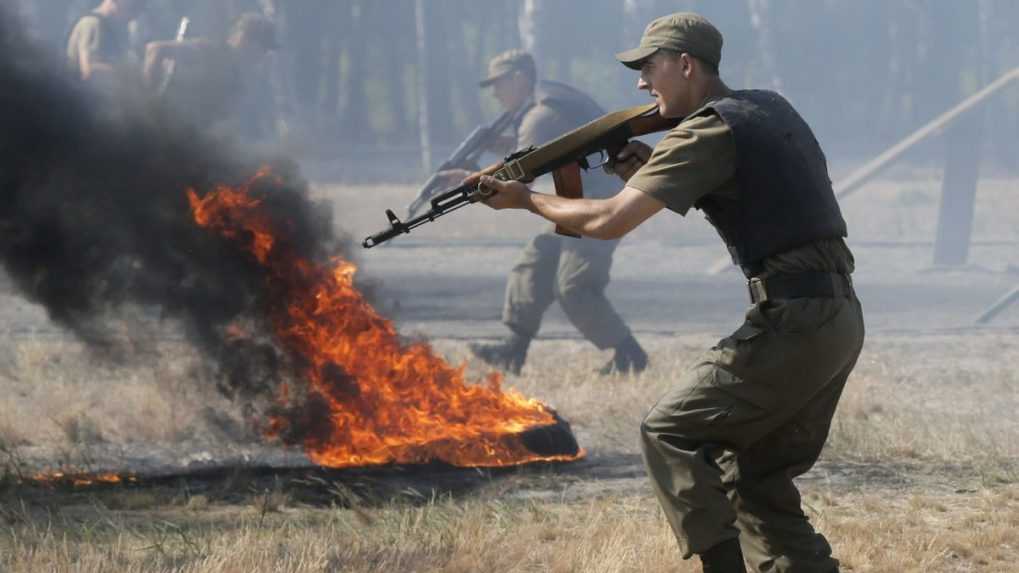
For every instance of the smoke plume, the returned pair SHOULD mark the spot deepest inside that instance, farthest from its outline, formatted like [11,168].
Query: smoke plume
[94,217]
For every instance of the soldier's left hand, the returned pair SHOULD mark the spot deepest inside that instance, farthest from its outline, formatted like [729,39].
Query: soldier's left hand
[506,194]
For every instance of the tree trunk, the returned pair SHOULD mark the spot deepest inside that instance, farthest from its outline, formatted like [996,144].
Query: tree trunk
[760,19]
[437,70]
[354,122]
[424,129]
[469,65]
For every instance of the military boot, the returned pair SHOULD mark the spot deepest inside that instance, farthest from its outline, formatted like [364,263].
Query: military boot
[508,354]
[629,358]
[726,557]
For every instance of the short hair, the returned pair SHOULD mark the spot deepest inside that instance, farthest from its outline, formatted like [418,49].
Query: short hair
[710,66]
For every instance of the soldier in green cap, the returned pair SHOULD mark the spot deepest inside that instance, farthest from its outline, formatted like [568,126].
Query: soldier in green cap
[553,268]
[723,446]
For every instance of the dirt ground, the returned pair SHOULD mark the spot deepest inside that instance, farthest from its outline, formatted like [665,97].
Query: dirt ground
[920,473]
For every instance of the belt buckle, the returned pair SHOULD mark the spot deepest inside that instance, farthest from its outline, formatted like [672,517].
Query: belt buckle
[757,291]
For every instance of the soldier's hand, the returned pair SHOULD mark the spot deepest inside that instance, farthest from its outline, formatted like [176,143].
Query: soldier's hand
[629,160]
[505,194]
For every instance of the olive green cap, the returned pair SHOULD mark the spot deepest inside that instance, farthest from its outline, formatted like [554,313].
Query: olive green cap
[507,63]
[679,32]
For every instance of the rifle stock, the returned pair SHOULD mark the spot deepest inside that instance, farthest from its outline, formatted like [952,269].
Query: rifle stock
[563,157]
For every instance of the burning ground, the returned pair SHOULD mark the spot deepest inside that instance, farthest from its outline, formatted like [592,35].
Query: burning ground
[111,205]
[367,398]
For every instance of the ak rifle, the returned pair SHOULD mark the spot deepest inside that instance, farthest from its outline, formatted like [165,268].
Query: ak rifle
[563,157]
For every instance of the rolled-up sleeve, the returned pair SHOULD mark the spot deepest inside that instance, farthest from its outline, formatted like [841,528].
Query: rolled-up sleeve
[693,159]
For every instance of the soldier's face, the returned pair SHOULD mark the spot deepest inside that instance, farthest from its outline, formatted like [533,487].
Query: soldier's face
[511,90]
[666,77]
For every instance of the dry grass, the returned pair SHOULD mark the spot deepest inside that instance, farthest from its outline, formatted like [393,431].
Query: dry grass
[917,533]
[936,398]
[945,400]
[58,394]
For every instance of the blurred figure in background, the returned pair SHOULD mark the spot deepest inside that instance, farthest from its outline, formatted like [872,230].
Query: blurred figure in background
[212,82]
[552,268]
[99,45]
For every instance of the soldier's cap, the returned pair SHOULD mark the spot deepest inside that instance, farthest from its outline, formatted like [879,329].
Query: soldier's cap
[507,63]
[257,29]
[679,32]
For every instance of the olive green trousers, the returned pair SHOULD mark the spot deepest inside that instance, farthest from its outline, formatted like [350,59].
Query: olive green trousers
[723,446]
[573,272]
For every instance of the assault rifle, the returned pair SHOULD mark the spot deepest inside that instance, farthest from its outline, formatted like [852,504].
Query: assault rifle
[465,156]
[563,157]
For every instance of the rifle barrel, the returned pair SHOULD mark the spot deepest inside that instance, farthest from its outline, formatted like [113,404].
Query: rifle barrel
[443,204]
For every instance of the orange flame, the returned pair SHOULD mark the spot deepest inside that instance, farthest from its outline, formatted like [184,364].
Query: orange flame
[385,401]
[76,478]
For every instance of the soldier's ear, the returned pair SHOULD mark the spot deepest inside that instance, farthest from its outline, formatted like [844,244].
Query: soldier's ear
[688,63]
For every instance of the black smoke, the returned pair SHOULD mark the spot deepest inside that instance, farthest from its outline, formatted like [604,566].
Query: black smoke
[94,216]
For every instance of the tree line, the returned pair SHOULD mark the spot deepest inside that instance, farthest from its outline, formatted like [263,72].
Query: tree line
[863,72]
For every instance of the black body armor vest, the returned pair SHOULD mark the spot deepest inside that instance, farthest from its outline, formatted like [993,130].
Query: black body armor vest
[785,197]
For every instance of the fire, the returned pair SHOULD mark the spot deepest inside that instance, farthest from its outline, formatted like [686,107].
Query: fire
[76,478]
[373,398]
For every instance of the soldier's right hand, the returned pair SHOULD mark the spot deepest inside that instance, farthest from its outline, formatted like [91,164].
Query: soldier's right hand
[633,156]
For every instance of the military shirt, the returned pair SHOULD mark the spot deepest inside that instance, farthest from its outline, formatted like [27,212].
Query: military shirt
[698,157]
[97,36]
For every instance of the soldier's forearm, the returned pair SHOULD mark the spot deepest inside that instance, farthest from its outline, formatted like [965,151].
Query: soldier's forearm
[589,217]
[598,218]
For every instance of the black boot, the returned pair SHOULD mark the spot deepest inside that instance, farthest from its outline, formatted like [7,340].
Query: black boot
[508,354]
[726,557]
[629,358]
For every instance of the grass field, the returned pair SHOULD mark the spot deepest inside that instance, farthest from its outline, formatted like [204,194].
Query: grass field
[920,473]
[937,410]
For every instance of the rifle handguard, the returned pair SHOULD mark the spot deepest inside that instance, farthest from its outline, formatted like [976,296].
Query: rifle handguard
[562,157]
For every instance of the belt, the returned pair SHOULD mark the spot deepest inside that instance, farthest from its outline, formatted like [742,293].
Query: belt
[800,285]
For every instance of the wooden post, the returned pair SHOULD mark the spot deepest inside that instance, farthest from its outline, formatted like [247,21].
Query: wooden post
[958,193]
[962,169]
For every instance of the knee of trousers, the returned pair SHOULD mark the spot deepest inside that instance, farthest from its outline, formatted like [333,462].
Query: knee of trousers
[579,287]
[657,424]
